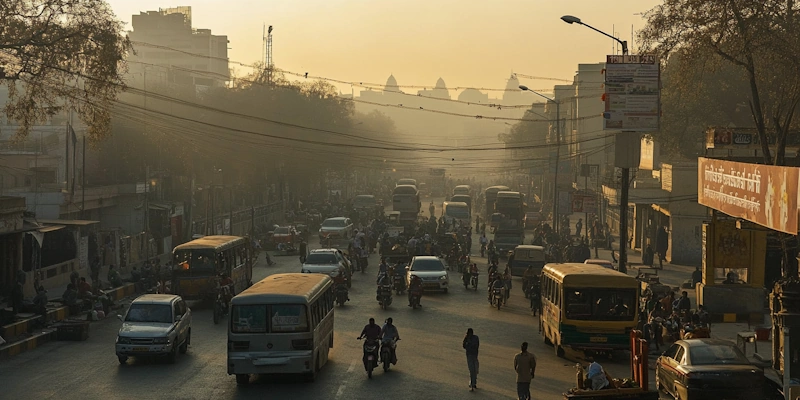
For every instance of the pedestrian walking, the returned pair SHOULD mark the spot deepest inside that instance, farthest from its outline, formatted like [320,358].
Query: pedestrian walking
[579,227]
[525,365]
[471,344]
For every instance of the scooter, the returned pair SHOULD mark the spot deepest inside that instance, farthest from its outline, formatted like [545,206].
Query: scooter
[342,294]
[399,283]
[385,296]
[416,296]
[370,357]
[473,280]
[388,358]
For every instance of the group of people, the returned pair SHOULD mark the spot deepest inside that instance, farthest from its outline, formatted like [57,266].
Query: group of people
[673,317]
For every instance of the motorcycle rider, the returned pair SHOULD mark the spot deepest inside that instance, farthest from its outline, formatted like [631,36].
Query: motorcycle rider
[527,279]
[383,280]
[498,283]
[371,331]
[383,269]
[226,285]
[389,333]
[415,286]
[483,242]
[340,280]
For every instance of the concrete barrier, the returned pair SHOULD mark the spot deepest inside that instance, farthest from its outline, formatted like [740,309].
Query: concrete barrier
[35,340]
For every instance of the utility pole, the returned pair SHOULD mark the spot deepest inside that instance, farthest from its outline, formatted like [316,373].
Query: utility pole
[83,180]
[146,213]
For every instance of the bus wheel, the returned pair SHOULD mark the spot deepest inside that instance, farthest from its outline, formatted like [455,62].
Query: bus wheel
[242,379]
[546,340]
[559,350]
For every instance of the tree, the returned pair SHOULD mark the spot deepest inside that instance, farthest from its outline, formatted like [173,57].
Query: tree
[61,54]
[759,38]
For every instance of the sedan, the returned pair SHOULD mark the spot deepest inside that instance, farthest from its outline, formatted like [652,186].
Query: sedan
[431,270]
[708,369]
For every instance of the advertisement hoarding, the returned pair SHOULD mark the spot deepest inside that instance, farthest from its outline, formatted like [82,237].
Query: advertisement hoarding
[632,93]
[762,194]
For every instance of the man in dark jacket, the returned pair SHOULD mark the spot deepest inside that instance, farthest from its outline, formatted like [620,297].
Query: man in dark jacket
[471,344]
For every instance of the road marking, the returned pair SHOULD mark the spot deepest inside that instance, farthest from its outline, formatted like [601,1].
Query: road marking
[350,369]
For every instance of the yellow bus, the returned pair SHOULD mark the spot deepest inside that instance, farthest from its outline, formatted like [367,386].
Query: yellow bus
[587,307]
[281,325]
[198,264]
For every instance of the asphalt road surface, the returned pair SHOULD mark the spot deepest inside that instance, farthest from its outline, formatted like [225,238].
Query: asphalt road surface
[431,363]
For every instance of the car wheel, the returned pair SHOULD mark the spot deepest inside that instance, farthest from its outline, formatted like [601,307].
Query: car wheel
[659,386]
[122,359]
[242,379]
[185,346]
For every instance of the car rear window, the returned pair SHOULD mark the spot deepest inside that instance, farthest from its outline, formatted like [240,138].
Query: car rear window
[283,318]
[716,354]
[321,258]
[427,265]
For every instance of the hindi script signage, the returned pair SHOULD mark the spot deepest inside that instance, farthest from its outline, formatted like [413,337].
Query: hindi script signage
[763,194]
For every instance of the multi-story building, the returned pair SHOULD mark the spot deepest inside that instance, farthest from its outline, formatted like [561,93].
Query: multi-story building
[169,49]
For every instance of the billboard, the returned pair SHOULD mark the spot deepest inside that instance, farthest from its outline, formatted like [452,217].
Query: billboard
[762,194]
[632,93]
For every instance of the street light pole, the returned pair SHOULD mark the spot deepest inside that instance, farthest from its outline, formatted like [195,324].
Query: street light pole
[625,179]
[556,224]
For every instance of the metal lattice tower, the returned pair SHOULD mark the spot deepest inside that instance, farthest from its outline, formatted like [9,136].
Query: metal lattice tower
[268,63]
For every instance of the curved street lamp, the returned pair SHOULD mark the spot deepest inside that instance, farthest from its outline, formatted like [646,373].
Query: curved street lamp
[575,20]
[556,224]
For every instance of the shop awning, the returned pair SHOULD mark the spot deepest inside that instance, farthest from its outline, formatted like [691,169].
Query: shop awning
[68,222]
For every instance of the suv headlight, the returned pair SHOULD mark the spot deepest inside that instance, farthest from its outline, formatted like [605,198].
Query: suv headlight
[123,340]
[443,278]
[161,340]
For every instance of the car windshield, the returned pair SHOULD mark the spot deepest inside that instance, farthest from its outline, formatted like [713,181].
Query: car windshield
[600,304]
[282,231]
[427,265]
[333,223]
[156,313]
[507,239]
[321,258]
[716,354]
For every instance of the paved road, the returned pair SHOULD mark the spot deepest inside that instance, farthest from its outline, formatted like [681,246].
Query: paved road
[431,363]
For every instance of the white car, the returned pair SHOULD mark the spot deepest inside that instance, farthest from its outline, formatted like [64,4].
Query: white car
[336,228]
[431,270]
[155,325]
[326,261]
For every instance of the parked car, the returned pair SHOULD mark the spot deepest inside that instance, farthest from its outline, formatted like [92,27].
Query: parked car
[337,228]
[326,261]
[431,270]
[708,369]
[284,234]
[155,325]
[602,263]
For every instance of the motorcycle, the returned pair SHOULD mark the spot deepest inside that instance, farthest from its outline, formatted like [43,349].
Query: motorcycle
[415,297]
[388,357]
[399,283]
[221,304]
[473,280]
[385,296]
[497,297]
[341,294]
[370,357]
[483,249]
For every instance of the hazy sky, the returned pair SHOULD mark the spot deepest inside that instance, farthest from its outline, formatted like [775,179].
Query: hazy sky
[466,42]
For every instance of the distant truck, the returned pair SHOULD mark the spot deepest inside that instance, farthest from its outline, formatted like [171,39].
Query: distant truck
[491,194]
[510,204]
[506,239]
[405,199]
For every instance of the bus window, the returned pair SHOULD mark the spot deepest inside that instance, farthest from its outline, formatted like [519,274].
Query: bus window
[600,304]
[558,294]
[249,319]
[288,318]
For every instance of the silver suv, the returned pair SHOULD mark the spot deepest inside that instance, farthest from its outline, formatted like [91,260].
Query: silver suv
[327,261]
[155,325]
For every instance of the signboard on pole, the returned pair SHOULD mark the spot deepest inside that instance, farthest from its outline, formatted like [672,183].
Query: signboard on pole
[632,95]
[762,194]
